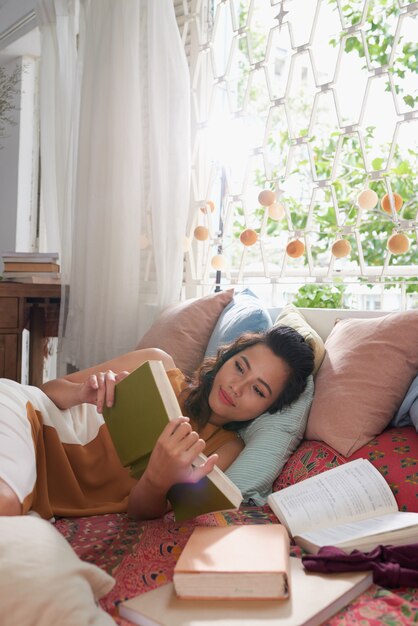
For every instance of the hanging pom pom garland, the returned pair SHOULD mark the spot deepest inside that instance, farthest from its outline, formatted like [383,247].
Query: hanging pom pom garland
[386,203]
[398,243]
[295,248]
[341,248]
[209,207]
[248,237]
[266,197]
[218,262]
[201,233]
[367,199]
[276,211]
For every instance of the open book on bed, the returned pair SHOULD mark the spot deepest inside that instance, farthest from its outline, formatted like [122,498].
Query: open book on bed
[350,506]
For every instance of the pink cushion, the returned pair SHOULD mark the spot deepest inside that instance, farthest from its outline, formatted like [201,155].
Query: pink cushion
[183,330]
[394,452]
[367,370]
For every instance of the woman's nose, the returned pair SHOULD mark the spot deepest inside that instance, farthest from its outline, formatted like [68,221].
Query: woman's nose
[237,387]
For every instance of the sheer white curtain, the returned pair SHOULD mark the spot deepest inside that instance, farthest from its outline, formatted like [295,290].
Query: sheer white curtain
[57,20]
[132,180]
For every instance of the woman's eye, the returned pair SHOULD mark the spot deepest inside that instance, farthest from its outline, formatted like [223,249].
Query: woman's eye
[259,392]
[239,367]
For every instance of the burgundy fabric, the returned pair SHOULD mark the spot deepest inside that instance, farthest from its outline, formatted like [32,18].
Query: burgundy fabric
[392,566]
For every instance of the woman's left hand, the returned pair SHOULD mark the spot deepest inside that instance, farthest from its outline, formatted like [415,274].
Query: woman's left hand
[99,388]
[172,458]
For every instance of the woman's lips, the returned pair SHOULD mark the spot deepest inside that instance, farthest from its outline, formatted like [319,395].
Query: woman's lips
[226,399]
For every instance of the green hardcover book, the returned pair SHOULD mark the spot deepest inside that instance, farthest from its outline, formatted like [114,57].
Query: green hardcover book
[215,492]
[144,402]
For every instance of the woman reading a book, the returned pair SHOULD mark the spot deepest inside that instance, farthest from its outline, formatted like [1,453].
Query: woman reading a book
[56,455]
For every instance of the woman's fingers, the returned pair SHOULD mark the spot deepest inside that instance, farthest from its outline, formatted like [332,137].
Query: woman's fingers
[173,426]
[203,470]
[110,382]
[121,375]
[105,389]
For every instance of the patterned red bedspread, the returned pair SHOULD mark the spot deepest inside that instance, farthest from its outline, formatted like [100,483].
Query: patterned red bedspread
[141,556]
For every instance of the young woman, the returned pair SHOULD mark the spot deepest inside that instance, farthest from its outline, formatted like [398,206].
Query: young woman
[56,455]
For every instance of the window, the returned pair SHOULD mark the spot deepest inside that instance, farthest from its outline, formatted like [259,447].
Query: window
[316,102]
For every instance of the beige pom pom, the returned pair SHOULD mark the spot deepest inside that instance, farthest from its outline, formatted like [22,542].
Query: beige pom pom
[209,207]
[367,199]
[398,243]
[248,237]
[276,211]
[266,197]
[218,262]
[295,248]
[397,201]
[201,233]
[341,248]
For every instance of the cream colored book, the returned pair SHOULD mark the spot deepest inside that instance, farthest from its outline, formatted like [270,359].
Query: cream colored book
[249,561]
[314,598]
[350,506]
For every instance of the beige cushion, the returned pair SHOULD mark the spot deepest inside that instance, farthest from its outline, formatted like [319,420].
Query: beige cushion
[42,580]
[367,370]
[183,330]
[291,316]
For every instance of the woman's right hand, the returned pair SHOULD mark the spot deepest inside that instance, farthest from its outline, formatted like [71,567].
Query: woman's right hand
[99,388]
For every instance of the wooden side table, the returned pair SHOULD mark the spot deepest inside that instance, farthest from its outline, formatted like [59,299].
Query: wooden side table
[26,306]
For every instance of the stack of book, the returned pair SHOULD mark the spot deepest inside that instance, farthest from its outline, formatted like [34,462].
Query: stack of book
[31,267]
[243,576]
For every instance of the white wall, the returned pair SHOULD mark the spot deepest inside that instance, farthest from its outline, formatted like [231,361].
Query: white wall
[17,17]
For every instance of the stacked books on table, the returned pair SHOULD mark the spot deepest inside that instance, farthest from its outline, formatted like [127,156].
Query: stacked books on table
[31,267]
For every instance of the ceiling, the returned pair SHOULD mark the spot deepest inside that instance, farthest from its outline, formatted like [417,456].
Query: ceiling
[27,45]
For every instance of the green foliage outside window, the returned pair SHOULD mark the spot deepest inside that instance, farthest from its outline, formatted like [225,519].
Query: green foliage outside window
[8,89]
[378,226]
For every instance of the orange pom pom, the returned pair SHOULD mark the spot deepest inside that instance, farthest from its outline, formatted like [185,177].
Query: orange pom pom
[295,248]
[248,237]
[397,201]
[398,243]
[341,248]
[209,207]
[201,233]
[266,197]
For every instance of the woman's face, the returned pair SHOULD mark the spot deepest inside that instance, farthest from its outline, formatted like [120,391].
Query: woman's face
[247,385]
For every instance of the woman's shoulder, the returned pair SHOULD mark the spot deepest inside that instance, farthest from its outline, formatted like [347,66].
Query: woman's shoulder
[177,379]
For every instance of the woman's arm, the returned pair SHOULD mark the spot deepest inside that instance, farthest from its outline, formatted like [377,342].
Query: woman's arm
[170,463]
[96,384]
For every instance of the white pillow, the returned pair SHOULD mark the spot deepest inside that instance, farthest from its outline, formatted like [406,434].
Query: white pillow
[42,580]
[269,441]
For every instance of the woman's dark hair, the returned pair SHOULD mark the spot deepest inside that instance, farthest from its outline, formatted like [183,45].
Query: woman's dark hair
[283,341]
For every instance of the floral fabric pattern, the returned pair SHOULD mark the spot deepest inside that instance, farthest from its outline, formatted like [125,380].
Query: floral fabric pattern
[142,555]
